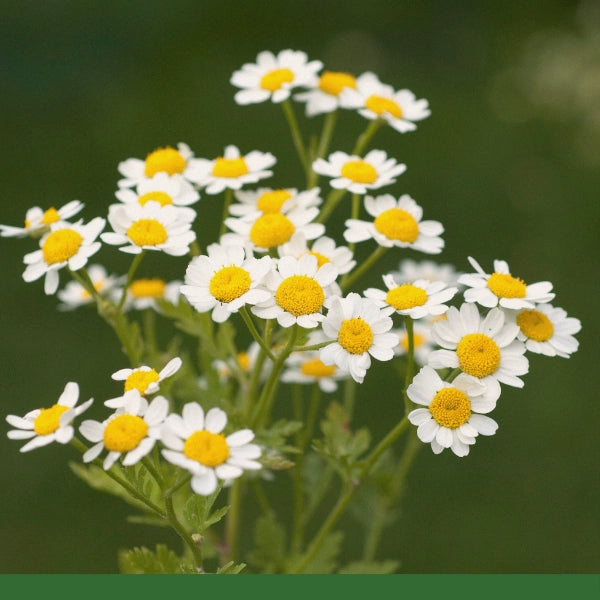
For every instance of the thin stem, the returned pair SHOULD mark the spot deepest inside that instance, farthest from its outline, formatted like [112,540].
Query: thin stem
[254,332]
[410,360]
[326,135]
[331,202]
[363,140]
[226,203]
[135,263]
[296,136]
[232,523]
[350,278]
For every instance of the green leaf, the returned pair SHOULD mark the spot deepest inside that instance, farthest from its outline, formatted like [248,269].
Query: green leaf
[325,561]
[142,561]
[197,512]
[231,568]
[270,540]
[385,567]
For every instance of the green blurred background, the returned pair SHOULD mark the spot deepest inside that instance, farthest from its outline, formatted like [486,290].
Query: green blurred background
[509,162]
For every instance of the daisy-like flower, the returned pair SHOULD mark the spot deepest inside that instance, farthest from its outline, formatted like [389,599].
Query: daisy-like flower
[162,188]
[502,289]
[324,97]
[376,100]
[224,280]
[265,231]
[145,380]
[195,442]
[150,227]
[423,343]
[65,245]
[268,200]
[411,270]
[360,330]
[547,330]
[396,223]
[356,174]
[415,300]
[46,425]
[455,411]
[131,430]
[74,294]
[307,367]
[324,249]
[38,221]
[273,77]
[144,293]
[232,170]
[484,348]
[169,160]
[298,289]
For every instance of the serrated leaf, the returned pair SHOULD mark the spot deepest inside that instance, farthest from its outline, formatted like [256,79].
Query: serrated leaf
[325,561]
[231,568]
[270,540]
[385,567]
[197,511]
[142,561]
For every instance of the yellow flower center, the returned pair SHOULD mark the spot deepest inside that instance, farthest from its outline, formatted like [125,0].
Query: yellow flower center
[478,355]
[316,368]
[406,296]
[397,224]
[355,335]
[229,283]
[450,408]
[50,216]
[161,197]
[273,80]
[243,360]
[271,202]
[147,232]
[380,105]
[209,449]
[506,286]
[230,167]
[147,288]
[140,380]
[359,171]
[417,341]
[61,245]
[333,83]
[321,259]
[48,420]
[300,295]
[270,230]
[98,285]
[124,433]
[535,325]
[164,159]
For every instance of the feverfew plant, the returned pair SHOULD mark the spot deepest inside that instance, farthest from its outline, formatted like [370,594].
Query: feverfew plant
[272,335]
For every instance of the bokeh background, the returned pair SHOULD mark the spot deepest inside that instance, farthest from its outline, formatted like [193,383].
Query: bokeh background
[509,162]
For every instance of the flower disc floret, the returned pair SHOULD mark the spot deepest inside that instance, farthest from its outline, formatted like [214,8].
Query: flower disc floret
[316,368]
[397,225]
[450,408]
[535,325]
[148,288]
[166,160]
[141,380]
[147,232]
[380,106]
[124,432]
[478,355]
[229,283]
[505,285]
[209,449]
[271,230]
[406,296]
[229,167]
[355,335]
[300,295]
[156,196]
[48,421]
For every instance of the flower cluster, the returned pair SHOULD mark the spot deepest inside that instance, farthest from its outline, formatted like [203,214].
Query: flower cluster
[274,281]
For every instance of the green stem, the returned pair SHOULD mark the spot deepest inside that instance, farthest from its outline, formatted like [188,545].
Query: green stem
[296,136]
[254,332]
[410,361]
[350,278]
[135,263]
[363,140]
[226,203]
[232,523]
[331,202]
[326,135]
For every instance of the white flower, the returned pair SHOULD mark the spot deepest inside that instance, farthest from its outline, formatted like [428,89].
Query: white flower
[65,245]
[150,227]
[194,442]
[485,348]
[453,417]
[501,288]
[396,223]
[376,100]
[273,77]
[224,280]
[546,330]
[410,270]
[144,293]
[416,300]
[244,361]
[298,289]
[324,97]
[38,221]
[144,379]
[306,367]
[263,231]
[46,425]
[268,200]
[422,341]
[356,174]
[162,188]
[167,160]
[131,430]
[74,294]
[232,170]
[360,330]
[324,249]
